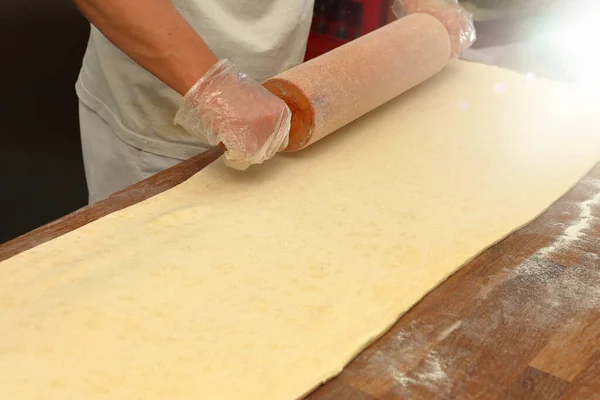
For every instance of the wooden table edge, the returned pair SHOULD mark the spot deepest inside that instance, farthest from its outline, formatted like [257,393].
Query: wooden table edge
[129,196]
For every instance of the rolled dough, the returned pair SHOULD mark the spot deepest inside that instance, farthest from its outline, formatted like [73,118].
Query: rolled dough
[263,284]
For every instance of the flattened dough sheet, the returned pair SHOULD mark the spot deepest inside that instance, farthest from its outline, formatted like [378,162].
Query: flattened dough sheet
[263,284]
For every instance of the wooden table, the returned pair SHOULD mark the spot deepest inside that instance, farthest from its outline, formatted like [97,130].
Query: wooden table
[521,321]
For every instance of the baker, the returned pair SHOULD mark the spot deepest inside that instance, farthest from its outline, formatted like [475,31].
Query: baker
[143,56]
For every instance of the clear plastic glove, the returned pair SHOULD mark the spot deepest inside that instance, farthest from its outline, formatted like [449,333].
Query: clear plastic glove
[227,106]
[457,20]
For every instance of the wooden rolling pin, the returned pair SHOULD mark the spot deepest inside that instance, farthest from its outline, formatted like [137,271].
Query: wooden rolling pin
[334,89]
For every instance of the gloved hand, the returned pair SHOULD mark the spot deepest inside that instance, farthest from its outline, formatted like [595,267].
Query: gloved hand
[227,106]
[457,20]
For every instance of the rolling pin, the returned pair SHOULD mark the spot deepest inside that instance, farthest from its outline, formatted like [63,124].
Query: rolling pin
[337,87]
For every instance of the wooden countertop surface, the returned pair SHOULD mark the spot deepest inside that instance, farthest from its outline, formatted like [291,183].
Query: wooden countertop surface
[521,321]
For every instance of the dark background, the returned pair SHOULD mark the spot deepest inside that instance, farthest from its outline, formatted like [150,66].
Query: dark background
[42,43]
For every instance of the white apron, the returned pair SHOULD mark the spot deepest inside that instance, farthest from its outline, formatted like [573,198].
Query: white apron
[263,37]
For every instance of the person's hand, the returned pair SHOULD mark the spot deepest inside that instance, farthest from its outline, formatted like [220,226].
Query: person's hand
[457,20]
[226,106]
